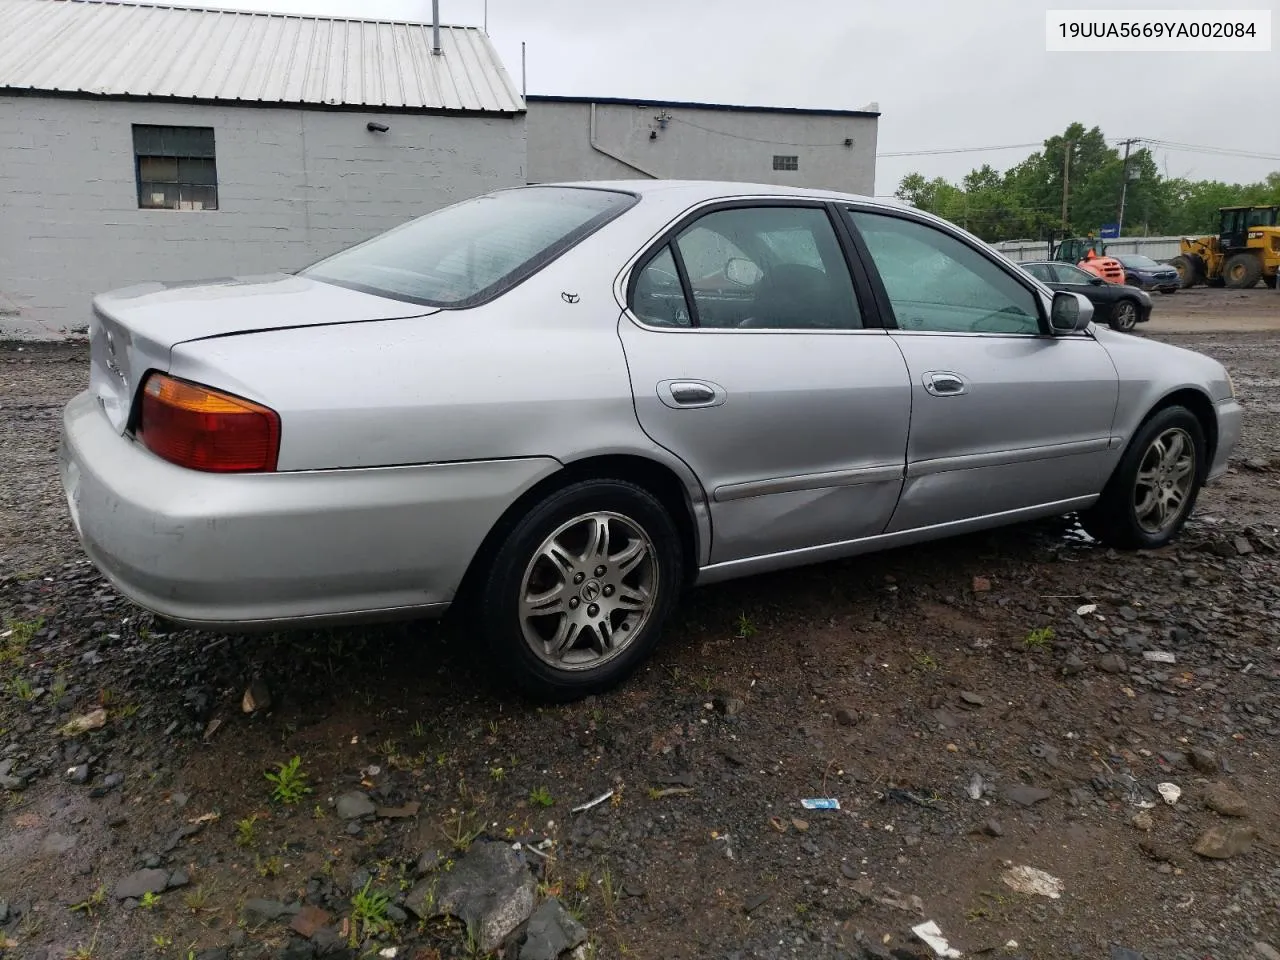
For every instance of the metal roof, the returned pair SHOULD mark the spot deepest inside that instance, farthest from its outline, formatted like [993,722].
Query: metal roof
[114,49]
[870,110]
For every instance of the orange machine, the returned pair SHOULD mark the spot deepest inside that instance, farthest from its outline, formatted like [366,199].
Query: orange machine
[1090,255]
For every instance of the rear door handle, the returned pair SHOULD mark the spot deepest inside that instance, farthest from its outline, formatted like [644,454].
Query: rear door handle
[942,383]
[683,394]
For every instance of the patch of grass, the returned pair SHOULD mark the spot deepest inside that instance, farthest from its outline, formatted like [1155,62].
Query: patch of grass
[705,683]
[196,900]
[58,689]
[268,868]
[288,782]
[368,914]
[161,942]
[16,636]
[246,831]
[1038,639]
[925,662]
[541,797]
[745,627]
[497,774]
[149,901]
[419,729]
[89,906]
[21,688]
[462,828]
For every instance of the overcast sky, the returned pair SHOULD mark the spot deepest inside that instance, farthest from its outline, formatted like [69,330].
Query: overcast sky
[946,73]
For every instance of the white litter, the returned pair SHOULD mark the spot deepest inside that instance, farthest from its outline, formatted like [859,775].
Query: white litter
[1158,656]
[390,953]
[1170,791]
[1087,609]
[1029,880]
[932,935]
[593,803]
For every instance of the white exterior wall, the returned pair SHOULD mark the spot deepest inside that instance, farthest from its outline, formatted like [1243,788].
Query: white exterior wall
[700,144]
[293,185]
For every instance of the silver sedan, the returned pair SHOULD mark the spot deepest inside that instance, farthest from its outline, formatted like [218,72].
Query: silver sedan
[561,405]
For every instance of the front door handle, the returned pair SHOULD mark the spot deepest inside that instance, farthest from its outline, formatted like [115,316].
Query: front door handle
[683,394]
[942,383]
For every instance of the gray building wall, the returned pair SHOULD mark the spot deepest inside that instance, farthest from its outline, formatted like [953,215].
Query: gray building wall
[699,144]
[293,185]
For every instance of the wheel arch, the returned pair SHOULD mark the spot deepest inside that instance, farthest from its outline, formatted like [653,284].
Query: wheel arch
[656,477]
[1200,406]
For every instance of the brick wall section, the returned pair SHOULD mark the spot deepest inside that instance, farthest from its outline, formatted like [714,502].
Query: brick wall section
[293,186]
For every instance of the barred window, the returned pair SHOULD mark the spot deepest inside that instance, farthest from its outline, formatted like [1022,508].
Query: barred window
[786,163]
[176,168]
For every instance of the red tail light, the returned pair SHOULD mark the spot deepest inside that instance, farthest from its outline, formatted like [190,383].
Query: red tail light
[205,429]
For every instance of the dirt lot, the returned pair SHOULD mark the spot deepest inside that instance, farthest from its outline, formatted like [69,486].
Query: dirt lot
[1009,666]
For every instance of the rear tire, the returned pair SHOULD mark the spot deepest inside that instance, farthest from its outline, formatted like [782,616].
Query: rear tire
[580,589]
[1124,315]
[1153,490]
[1242,271]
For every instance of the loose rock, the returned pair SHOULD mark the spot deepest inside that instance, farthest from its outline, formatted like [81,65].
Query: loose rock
[1222,799]
[489,888]
[135,885]
[1112,663]
[1224,842]
[354,805]
[1026,796]
[550,932]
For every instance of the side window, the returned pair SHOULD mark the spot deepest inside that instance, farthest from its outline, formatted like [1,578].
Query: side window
[1040,271]
[936,283]
[1067,273]
[776,268]
[658,298]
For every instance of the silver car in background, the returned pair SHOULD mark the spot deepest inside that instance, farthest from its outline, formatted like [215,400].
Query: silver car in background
[561,405]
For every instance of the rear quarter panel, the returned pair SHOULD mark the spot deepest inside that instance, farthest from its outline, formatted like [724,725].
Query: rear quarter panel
[539,372]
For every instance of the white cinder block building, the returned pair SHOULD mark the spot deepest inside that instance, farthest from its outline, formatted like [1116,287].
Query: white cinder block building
[574,138]
[142,142]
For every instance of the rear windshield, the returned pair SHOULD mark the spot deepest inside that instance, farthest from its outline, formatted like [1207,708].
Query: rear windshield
[472,251]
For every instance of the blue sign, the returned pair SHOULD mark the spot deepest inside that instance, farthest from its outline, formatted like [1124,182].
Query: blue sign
[1110,231]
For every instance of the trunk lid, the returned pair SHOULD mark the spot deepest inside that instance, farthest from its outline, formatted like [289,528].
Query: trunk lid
[133,329]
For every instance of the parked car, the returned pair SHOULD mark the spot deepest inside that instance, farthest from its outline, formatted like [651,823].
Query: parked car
[526,407]
[1147,274]
[1120,306]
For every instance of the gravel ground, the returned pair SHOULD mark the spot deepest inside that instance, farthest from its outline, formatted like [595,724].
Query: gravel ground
[975,706]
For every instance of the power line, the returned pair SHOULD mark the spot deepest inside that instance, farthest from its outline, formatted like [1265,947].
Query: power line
[932,153]
[1209,150]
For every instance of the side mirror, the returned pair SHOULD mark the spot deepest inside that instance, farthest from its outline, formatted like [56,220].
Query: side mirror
[1097,281]
[1071,313]
[742,272]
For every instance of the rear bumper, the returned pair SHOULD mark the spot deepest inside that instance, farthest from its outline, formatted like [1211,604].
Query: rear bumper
[250,551]
[1229,416]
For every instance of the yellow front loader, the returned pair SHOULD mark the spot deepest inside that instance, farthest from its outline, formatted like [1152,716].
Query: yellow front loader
[1245,250]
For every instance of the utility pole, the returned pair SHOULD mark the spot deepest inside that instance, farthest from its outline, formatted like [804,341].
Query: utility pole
[1124,184]
[1066,183]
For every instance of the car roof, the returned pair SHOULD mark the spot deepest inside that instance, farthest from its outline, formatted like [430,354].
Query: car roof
[698,190]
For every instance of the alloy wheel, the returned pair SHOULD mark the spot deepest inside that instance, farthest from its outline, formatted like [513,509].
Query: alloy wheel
[1126,315]
[588,591]
[1165,479]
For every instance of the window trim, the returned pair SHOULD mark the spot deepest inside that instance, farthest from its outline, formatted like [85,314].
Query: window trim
[213,156]
[882,294]
[625,285]
[527,271]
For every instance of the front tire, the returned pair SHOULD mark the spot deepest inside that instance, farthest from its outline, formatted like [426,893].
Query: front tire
[1153,490]
[1124,315]
[580,589]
